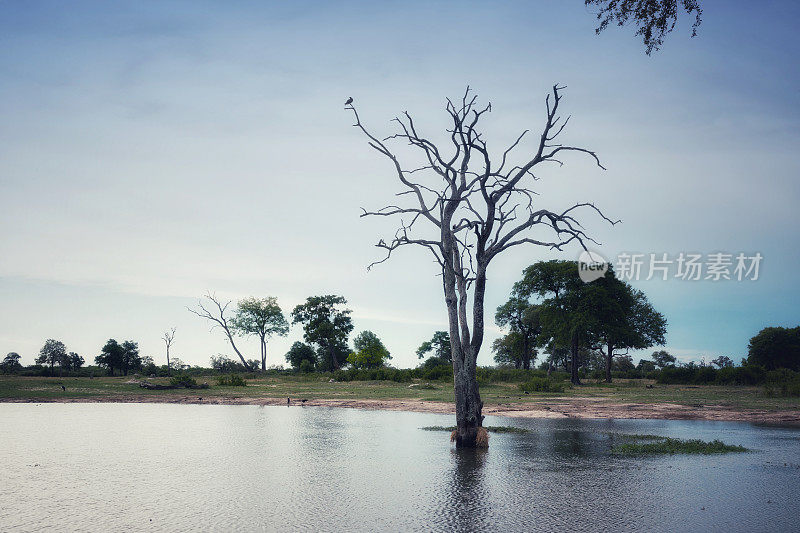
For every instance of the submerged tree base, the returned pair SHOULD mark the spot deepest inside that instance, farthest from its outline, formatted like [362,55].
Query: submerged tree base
[492,429]
[656,445]
[481,439]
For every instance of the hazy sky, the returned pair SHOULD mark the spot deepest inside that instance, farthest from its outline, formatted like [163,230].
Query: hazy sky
[150,152]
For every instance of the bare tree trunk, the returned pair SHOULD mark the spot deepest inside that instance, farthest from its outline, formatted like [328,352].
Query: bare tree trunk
[468,403]
[220,321]
[609,359]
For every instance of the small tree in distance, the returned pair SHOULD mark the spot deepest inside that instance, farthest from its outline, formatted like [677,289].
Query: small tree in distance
[302,357]
[369,351]
[440,346]
[11,364]
[663,359]
[52,353]
[215,312]
[326,325]
[263,318]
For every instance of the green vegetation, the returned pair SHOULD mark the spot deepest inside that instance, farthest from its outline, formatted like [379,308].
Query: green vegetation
[500,386]
[260,317]
[326,326]
[440,346]
[182,380]
[369,351]
[492,429]
[668,446]
[775,348]
[231,380]
[783,383]
[537,384]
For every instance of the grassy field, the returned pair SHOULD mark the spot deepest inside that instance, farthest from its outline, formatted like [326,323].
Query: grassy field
[15,388]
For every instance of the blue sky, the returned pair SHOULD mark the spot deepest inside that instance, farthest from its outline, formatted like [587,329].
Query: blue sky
[150,152]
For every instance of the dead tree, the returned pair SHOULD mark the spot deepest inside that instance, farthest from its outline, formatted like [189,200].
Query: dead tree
[168,337]
[220,320]
[474,207]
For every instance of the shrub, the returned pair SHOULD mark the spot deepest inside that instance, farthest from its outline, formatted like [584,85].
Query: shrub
[182,380]
[439,372]
[782,383]
[539,384]
[231,380]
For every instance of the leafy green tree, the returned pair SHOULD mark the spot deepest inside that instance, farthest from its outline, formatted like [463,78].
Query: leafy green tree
[523,319]
[645,366]
[568,310]
[775,347]
[625,319]
[723,361]
[263,318]
[369,351]
[439,346]
[111,356]
[623,363]
[131,360]
[11,364]
[663,359]
[52,353]
[74,361]
[327,326]
[148,366]
[508,350]
[301,356]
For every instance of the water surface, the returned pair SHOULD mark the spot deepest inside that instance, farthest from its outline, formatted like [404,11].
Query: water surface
[137,467]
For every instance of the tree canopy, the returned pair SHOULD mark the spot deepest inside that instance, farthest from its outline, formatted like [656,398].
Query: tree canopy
[327,326]
[606,314]
[653,19]
[52,353]
[261,317]
[302,357]
[11,364]
[439,346]
[775,347]
[369,351]
[522,317]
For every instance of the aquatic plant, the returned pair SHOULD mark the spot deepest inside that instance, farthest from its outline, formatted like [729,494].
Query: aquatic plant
[670,446]
[493,429]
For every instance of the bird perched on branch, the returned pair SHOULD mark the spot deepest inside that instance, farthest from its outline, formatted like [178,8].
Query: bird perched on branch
[349,101]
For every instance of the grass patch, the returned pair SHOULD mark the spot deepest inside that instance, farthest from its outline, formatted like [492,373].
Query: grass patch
[669,446]
[492,429]
[541,385]
[232,380]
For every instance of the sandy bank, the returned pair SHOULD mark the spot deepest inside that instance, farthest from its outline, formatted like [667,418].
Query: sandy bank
[549,408]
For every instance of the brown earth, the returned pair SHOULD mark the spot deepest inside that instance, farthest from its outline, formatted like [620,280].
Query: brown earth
[572,407]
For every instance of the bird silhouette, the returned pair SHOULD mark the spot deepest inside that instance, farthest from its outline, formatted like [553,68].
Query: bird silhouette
[349,101]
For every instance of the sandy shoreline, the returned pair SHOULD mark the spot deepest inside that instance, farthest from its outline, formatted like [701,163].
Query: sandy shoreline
[551,408]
